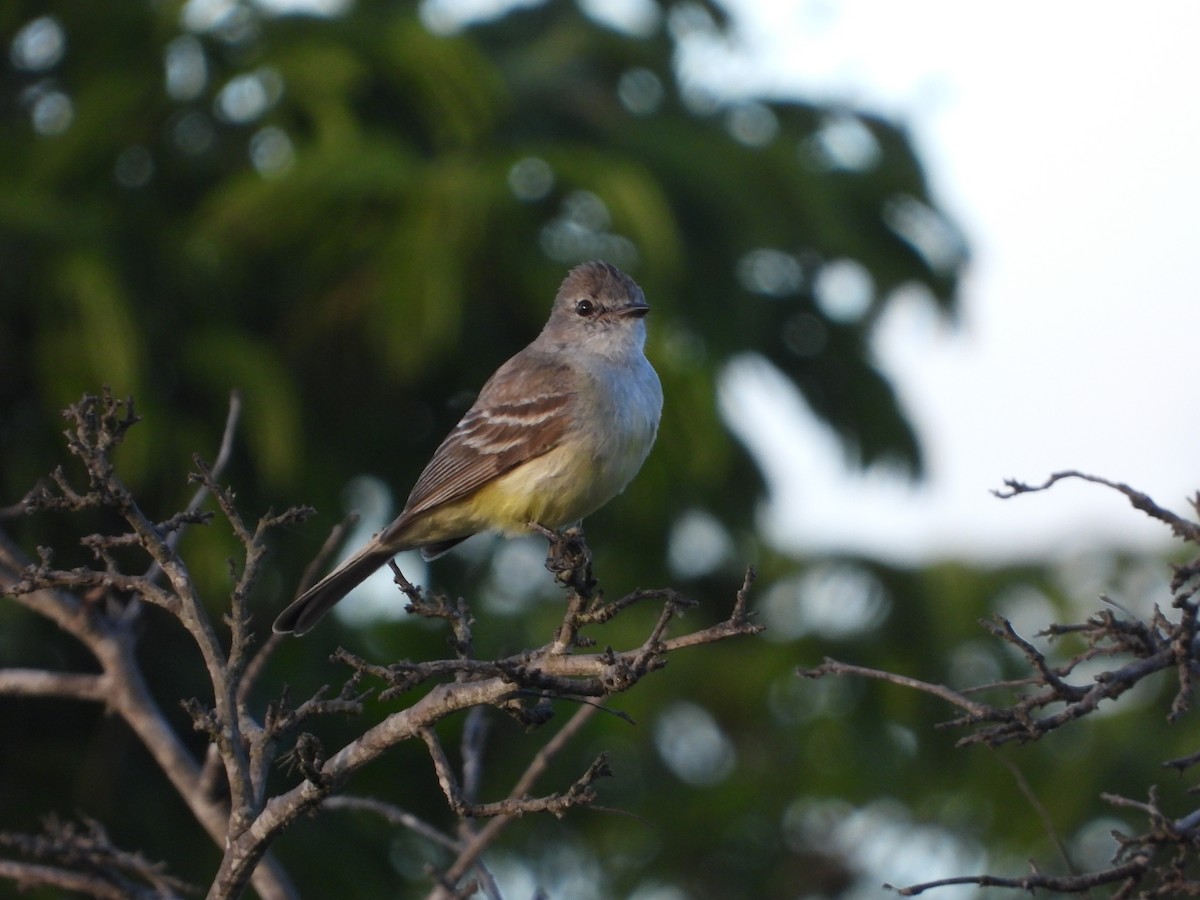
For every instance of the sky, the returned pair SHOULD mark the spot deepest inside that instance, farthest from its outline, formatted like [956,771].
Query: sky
[1064,139]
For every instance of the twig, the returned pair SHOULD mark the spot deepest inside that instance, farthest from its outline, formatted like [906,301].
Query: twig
[1039,809]
[394,816]
[257,664]
[833,667]
[579,794]
[33,875]
[85,847]
[1132,870]
[40,683]
[1180,526]
[486,836]
[224,452]
[569,559]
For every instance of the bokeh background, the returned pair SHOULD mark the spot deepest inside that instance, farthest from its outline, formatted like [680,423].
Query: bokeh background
[892,258]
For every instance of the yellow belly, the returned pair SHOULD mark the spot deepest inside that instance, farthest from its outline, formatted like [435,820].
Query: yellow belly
[555,489]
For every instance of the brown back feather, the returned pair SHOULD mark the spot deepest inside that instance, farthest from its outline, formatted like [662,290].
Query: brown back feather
[521,413]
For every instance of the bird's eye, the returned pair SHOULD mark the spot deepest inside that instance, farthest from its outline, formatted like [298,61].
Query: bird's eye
[585,307]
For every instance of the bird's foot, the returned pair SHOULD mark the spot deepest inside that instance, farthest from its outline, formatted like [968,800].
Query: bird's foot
[568,557]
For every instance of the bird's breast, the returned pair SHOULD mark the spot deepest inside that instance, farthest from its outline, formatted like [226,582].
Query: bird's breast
[615,419]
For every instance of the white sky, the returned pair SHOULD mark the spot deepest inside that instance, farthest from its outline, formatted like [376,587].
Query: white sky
[1064,138]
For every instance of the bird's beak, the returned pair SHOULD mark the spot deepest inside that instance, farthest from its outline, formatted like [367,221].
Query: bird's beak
[633,311]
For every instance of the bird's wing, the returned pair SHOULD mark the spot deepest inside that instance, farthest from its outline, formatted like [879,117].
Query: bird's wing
[521,413]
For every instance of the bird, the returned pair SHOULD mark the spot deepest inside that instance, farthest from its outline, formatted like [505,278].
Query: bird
[556,432]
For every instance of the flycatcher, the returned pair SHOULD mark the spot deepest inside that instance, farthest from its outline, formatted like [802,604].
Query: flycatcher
[558,431]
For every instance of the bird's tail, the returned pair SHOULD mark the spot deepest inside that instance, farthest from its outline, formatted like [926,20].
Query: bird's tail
[307,609]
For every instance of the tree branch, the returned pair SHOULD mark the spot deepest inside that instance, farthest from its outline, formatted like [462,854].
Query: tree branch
[1180,527]
[1132,650]
[97,606]
[96,865]
[40,683]
[99,425]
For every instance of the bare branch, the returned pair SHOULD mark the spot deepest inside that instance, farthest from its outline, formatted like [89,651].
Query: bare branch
[581,793]
[227,791]
[456,614]
[74,601]
[1039,808]
[32,875]
[84,847]
[833,667]
[485,837]
[257,664]
[40,683]
[549,668]
[1127,872]
[1180,527]
[493,683]
[1157,862]
[394,816]
[224,452]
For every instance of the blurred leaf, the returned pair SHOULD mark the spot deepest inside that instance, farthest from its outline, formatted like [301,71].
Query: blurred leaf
[224,361]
